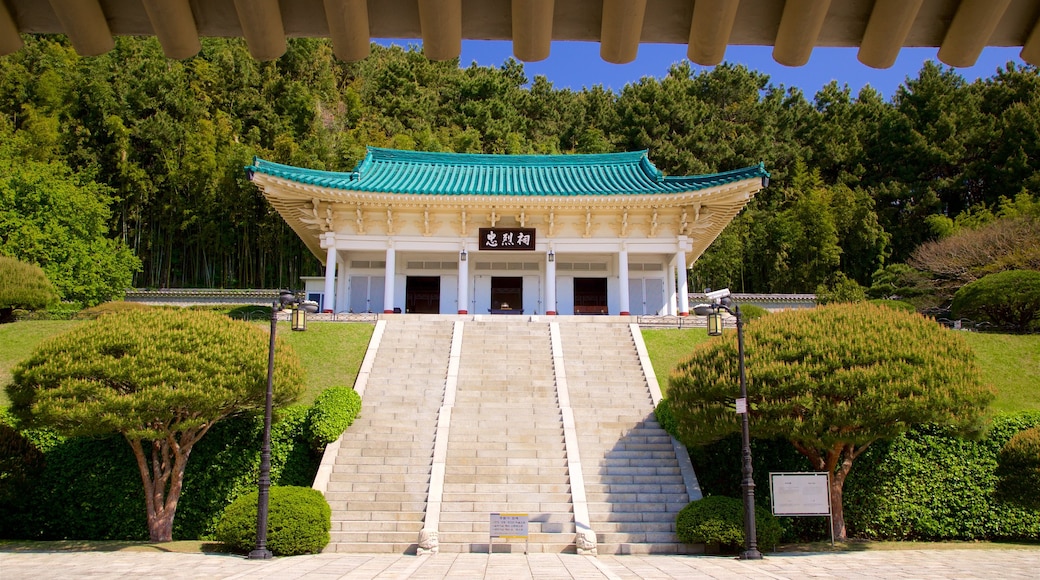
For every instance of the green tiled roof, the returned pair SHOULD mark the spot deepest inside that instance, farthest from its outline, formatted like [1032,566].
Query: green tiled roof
[415,172]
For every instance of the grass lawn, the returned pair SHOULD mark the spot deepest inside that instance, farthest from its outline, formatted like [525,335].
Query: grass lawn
[667,346]
[18,340]
[1011,363]
[331,353]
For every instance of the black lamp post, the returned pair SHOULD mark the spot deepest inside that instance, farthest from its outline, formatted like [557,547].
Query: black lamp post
[285,299]
[721,300]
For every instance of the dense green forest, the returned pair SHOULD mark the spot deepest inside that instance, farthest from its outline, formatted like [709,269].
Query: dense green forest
[126,169]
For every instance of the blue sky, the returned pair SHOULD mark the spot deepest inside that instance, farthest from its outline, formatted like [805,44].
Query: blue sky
[577,64]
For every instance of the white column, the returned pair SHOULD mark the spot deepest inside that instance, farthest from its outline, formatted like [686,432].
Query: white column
[550,283]
[623,274]
[330,276]
[463,281]
[684,291]
[388,284]
[671,288]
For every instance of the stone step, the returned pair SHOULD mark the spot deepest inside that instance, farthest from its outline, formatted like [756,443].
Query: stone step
[372,547]
[350,518]
[411,526]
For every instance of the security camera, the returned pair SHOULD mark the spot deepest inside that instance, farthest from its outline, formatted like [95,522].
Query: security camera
[717,294]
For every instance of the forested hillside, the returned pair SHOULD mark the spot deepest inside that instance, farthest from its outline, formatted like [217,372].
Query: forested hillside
[126,169]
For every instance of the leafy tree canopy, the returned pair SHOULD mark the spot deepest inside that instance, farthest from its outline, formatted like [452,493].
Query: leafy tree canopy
[59,219]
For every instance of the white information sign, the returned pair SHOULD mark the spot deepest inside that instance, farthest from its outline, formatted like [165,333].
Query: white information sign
[507,526]
[800,494]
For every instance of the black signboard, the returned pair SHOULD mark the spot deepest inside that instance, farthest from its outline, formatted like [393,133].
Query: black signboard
[506,239]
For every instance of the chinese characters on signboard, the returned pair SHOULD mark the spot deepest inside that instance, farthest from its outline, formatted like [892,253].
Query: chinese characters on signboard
[506,239]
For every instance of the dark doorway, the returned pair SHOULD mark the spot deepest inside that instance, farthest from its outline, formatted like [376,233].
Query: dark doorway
[590,295]
[507,293]
[422,295]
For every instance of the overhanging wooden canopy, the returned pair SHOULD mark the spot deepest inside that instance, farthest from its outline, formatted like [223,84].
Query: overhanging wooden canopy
[880,28]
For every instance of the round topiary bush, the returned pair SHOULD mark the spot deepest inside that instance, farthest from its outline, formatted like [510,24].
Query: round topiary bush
[719,520]
[333,411]
[665,417]
[1018,469]
[298,522]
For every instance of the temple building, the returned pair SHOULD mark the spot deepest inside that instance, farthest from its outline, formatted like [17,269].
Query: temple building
[458,233]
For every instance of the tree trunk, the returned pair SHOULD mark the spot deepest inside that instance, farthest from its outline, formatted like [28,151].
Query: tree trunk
[837,508]
[163,477]
[837,461]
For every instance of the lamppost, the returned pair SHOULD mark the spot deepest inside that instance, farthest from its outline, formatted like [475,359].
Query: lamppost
[286,299]
[721,300]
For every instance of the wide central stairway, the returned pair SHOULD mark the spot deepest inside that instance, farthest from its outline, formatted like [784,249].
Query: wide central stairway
[463,417]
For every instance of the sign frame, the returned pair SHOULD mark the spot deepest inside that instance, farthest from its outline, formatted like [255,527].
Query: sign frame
[801,494]
[509,526]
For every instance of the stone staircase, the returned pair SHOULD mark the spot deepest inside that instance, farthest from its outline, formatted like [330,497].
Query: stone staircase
[379,484]
[633,482]
[505,448]
[470,415]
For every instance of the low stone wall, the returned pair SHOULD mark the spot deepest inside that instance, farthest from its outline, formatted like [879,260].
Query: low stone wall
[202,296]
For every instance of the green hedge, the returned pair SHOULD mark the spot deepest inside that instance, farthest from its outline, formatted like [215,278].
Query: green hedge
[91,489]
[928,485]
[298,522]
[334,410]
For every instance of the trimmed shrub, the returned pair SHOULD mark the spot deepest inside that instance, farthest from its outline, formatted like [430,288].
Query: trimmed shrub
[719,520]
[334,410]
[23,286]
[1019,469]
[665,417]
[298,522]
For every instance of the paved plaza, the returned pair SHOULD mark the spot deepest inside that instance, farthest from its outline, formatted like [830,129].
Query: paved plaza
[939,563]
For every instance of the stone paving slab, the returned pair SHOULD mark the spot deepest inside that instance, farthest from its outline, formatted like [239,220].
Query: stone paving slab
[897,564]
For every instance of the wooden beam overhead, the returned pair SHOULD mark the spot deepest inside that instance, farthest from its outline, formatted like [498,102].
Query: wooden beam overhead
[348,28]
[970,30]
[174,25]
[84,23]
[261,22]
[710,30]
[441,23]
[1031,50]
[532,29]
[10,40]
[621,30]
[889,24]
[878,28]
[800,26]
